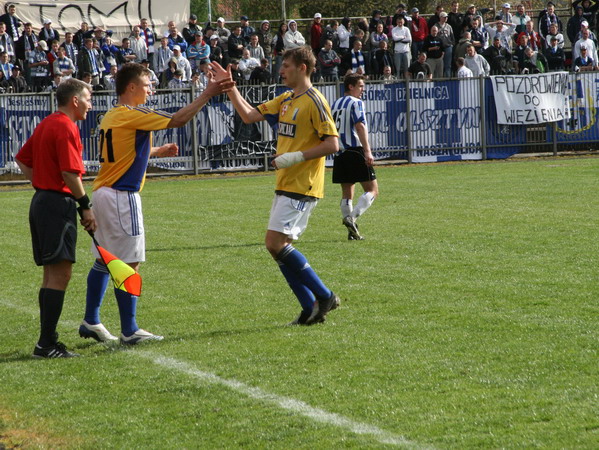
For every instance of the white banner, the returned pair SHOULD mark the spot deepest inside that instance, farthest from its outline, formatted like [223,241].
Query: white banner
[118,16]
[531,99]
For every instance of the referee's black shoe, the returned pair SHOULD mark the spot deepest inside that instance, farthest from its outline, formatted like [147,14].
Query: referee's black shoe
[58,350]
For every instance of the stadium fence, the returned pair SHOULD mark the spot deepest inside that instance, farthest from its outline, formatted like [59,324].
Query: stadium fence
[416,121]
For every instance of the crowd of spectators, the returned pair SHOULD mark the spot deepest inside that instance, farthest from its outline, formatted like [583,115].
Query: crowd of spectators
[402,45]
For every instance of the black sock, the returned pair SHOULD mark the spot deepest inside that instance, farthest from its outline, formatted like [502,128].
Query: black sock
[52,308]
[40,300]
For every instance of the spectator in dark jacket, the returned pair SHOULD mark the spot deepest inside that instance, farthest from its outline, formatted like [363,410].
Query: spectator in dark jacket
[17,81]
[236,43]
[573,25]
[498,57]
[589,11]
[48,34]
[555,56]
[328,60]
[375,20]
[261,75]
[382,57]
[191,29]
[13,23]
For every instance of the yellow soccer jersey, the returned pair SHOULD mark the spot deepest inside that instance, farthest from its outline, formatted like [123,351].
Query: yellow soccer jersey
[302,122]
[125,143]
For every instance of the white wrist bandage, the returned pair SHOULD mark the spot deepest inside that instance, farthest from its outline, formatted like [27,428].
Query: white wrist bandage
[288,159]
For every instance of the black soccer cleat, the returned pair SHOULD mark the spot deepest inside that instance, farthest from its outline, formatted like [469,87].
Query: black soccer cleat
[301,319]
[322,308]
[58,350]
[352,228]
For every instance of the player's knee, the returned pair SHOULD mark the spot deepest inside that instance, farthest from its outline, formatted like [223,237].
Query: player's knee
[274,246]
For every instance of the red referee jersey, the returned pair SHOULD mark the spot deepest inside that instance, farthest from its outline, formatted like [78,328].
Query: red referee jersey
[54,147]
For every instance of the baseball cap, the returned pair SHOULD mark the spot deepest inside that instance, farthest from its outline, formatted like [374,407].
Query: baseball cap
[507,5]
[220,19]
[193,17]
[414,10]
[43,45]
[176,47]
[16,67]
[199,33]
[265,21]
[318,16]
[214,36]
[583,47]
[47,21]
[179,72]
[443,14]
[244,18]
[584,23]
[496,38]
[471,5]
[401,5]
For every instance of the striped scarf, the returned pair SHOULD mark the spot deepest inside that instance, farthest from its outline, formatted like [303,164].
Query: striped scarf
[357,61]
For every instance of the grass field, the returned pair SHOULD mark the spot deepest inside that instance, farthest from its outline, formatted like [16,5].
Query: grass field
[470,318]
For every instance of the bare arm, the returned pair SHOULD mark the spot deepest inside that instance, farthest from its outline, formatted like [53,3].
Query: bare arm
[247,112]
[74,183]
[164,150]
[326,147]
[27,171]
[185,114]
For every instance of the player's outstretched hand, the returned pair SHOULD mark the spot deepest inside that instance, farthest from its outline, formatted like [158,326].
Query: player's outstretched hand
[219,84]
[219,73]
[167,150]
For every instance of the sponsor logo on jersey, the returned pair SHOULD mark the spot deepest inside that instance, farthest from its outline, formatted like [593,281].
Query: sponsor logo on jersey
[287,129]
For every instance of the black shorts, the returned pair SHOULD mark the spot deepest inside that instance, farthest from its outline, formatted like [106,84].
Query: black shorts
[349,166]
[53,223]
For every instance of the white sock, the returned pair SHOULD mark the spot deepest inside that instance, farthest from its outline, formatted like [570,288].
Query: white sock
[364,203]
[346,207]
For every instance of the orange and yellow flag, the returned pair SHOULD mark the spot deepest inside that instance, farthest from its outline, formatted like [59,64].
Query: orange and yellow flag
[123,275]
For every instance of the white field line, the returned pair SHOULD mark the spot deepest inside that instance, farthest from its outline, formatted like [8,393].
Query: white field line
[295,406]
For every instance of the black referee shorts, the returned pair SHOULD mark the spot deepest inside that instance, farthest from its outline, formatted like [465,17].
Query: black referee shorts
[349,166]
[53,223]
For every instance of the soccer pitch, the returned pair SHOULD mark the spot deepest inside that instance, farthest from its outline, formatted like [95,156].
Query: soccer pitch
[469,318]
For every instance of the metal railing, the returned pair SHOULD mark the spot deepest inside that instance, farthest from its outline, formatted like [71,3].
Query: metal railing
[416,121]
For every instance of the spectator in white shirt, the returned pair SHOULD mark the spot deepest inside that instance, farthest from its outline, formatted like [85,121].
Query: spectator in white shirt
[587,42]
[247,64]
[293,38]
[138,44]
[182,63]
[403,41]
[476,63]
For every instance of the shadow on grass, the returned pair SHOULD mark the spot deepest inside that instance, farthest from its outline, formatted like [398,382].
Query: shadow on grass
[20,355]
[203,247]
[224,333]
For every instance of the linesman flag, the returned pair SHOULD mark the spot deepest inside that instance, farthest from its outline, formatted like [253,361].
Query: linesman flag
[124,277]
